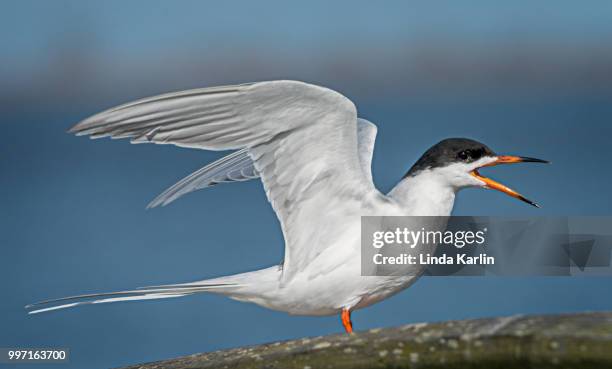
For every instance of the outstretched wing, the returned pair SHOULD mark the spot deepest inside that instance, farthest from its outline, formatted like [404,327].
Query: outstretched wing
[238,167]
[301,138]
[235,167]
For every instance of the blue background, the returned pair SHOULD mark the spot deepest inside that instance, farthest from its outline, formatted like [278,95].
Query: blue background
[526,78]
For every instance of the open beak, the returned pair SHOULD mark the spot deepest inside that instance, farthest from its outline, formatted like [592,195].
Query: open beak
[507,159]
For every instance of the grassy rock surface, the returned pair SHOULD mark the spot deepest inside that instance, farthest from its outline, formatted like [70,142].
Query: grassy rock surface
[555,341]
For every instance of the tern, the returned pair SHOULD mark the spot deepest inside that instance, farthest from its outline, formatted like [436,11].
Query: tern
[313,156]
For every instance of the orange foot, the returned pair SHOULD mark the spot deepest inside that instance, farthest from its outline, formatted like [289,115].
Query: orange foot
[346,320]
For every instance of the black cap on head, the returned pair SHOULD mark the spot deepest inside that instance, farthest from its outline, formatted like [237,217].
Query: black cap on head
[448,151]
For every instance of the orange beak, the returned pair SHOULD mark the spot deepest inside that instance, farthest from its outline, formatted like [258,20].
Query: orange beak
[506,159]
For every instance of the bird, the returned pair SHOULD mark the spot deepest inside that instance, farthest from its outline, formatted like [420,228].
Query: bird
[313,155]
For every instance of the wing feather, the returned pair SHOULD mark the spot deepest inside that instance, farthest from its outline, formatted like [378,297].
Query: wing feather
[236,166]
[302,140]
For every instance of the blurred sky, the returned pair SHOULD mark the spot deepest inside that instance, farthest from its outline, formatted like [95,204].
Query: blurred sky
[526,78]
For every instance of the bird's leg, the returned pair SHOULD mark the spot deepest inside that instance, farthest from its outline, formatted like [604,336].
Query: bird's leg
[346,320]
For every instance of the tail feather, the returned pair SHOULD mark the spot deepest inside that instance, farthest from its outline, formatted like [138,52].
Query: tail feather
[101,301]
[146,293]
[250,286]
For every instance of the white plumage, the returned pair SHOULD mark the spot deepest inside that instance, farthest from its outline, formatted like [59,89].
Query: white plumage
[313,156]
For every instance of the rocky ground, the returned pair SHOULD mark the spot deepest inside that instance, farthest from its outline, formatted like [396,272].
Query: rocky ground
[556,341]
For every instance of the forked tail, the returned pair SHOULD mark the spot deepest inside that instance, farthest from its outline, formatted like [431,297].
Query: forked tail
[240,286]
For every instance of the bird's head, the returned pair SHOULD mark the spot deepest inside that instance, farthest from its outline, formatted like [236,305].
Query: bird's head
[456,162]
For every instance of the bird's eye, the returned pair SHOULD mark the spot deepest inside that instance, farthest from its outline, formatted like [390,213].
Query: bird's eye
[464,155]
[477,154]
